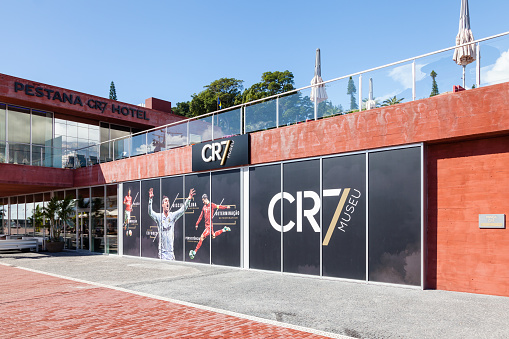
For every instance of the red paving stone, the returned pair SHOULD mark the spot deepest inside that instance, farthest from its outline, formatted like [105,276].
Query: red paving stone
[35,305]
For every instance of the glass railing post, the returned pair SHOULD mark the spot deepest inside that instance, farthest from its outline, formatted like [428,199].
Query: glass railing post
[166,138]
[315,108]
[478,66]
[360,92]
[277,112]
[130,145]
[212,132]
[187,138]
[413,80]
[243,119]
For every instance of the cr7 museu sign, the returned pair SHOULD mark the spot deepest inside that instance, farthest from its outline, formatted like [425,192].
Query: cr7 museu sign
[221,153]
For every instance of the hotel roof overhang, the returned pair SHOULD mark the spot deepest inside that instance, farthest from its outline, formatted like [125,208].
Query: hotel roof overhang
[81,107]
[22,179]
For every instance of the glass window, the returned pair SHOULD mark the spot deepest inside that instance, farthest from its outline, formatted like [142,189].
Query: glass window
[93,134]
[13,207]
[18,124]
[71,143]
[111,219]
[19,154]
[105,131]
[2,122]
[2,152]
[119,131]
[42,128]
[38,219]
[3,216]
[82,143]
[29,215]
[97,214]
[83,214]
[60,129]
[21,216]
[72,129]
[70,224]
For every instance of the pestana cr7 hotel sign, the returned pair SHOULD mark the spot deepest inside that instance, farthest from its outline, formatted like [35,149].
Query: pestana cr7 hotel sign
[227,152]
[76,100]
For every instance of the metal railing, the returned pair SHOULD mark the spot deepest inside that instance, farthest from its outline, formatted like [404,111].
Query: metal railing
[397,82]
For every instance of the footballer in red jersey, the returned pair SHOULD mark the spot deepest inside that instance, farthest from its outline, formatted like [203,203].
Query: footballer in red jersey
[207,213]
[128,202]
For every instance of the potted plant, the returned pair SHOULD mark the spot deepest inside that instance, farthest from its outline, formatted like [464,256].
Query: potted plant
[57,212]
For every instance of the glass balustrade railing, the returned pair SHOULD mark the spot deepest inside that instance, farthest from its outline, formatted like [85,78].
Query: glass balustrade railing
[412,79]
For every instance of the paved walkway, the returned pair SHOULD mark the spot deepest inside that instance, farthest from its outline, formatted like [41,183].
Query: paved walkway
[113,296]
[35,305]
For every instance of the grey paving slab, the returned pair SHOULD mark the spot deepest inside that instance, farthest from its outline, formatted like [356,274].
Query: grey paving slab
[354,309]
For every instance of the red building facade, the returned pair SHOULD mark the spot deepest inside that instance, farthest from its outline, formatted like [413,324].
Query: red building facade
[465,144]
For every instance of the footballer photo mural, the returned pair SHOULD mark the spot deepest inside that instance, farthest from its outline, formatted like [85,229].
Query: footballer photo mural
[197,244]
[159,219]
[149,227]
[225,218]
[131,213]
[173,188]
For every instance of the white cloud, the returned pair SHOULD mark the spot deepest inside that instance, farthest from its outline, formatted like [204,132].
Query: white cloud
[403,74]
[497,73]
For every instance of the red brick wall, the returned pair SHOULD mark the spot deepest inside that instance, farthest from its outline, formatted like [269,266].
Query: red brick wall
[8,94]
[466,179]
[22,179]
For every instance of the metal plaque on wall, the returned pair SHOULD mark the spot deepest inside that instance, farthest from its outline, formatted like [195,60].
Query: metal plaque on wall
[491,220]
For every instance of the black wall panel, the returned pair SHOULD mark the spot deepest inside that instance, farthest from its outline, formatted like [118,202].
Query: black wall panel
[395,216]
[344,217]
[264,240]
[301,243]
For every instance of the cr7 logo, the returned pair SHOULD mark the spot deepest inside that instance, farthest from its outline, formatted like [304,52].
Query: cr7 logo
[346,198]
[217,151]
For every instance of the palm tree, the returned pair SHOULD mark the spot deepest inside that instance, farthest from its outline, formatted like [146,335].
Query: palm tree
[58,210]
[392,101]
[50,212]
[66,209]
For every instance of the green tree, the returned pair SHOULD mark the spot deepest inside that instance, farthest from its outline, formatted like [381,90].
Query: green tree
[272,83]
[351,90]
[392,101]
[434,86]
[37,218]
[227,89]
[182,108]
[113,92]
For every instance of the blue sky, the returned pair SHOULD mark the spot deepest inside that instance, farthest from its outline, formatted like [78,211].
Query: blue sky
[171,49]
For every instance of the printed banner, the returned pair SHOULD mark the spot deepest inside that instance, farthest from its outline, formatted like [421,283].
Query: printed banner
[131,223]
[226,218]
[197,234]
